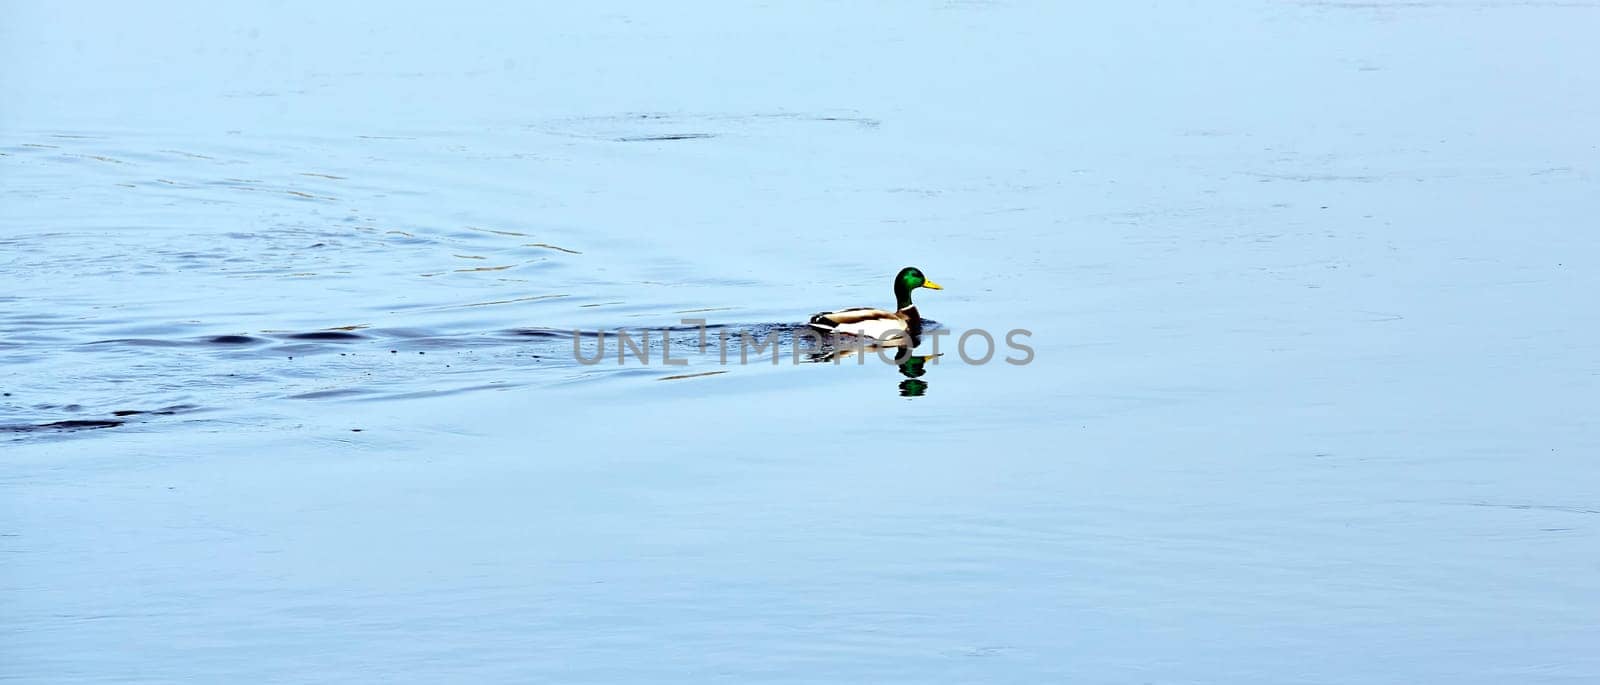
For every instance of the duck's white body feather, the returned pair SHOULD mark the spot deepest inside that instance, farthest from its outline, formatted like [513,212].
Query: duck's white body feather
[867,322]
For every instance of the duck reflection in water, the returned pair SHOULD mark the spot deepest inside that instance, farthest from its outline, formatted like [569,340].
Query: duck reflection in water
[912,366]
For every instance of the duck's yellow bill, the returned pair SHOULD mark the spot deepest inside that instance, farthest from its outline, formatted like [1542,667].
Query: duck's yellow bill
[931,284]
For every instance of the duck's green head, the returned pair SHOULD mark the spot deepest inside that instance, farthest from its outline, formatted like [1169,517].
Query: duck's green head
[911,278]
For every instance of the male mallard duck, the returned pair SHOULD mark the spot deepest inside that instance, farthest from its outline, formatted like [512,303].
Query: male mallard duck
[877,323]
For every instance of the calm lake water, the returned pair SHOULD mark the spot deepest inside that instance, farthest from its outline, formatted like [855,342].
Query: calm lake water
[287,297]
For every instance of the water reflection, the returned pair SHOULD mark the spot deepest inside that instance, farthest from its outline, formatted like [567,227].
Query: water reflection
[912,366]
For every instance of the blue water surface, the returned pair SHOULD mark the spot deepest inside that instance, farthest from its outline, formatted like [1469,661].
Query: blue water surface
[288,293]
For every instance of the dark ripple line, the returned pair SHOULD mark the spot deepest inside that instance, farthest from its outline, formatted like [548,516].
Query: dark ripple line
[123,417]
[325,335]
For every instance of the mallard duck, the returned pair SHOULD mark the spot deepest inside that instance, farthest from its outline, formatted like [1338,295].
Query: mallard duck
[876,323]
